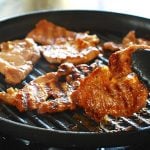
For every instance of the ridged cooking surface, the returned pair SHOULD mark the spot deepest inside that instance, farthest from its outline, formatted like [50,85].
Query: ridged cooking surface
[73,120]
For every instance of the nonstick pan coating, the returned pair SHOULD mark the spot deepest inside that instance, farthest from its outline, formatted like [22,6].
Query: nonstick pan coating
[31,126]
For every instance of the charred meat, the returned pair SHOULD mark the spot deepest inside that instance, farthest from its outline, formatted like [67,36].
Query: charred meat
[112,90]
[100,91]
[48,93]
[45,94]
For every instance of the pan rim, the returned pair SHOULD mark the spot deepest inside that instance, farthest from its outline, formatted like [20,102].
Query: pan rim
[60,132]
[70,10]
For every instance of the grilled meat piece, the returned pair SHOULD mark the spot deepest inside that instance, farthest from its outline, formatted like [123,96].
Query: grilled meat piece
[65,81]
[63,45]
[17,58]
[112,46]
[120,62]
[112,90]
[128,40]
[69,53]
[45,93]
[106,91]
[48,93]
[131,39]
[47,33]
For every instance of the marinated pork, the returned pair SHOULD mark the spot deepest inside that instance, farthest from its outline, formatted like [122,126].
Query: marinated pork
[99,89]
[62,45]
[104,90]
[47,93]
[128,40]
[112,90]
[17,59]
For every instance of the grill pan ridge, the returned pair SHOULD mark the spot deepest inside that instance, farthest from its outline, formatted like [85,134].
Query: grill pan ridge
[74,128]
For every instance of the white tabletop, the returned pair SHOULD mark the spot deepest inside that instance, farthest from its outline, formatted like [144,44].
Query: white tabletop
[11,8]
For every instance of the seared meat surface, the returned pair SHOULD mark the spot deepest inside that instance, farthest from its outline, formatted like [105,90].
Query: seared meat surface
[69,52]
[62,45]
[112,90]
[120,62]
[105,91]
[47,33]
[17,58]
[47,93]
[128,40]
[99,89]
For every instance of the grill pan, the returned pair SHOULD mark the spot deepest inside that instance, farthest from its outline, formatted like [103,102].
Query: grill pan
[74,128]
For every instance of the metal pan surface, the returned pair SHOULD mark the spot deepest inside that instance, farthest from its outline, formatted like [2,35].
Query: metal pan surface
[55,129]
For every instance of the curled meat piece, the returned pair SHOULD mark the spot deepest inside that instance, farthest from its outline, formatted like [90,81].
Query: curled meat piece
[108,90]
[120,61]
[128,40]
[48,93]
[131,39]
[112,90]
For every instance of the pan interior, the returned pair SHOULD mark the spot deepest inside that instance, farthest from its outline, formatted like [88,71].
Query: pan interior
[108,27]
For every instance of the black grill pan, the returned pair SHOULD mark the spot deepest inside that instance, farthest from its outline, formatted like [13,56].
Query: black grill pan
[74,128]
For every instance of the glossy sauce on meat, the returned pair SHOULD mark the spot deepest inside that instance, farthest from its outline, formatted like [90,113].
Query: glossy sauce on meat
[17,59]
[112,90]
[62,45]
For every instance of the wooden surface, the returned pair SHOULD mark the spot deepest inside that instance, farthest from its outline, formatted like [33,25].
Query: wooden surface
[11,8]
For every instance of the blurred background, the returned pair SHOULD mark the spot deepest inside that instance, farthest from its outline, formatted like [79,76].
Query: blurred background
[11,8]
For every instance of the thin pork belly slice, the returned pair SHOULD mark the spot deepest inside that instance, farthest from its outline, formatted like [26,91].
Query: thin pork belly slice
[47,93]
[17,59]
[108,90]
[112,90]
[69,53]
[48,33]
[62,45]
[128,40]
